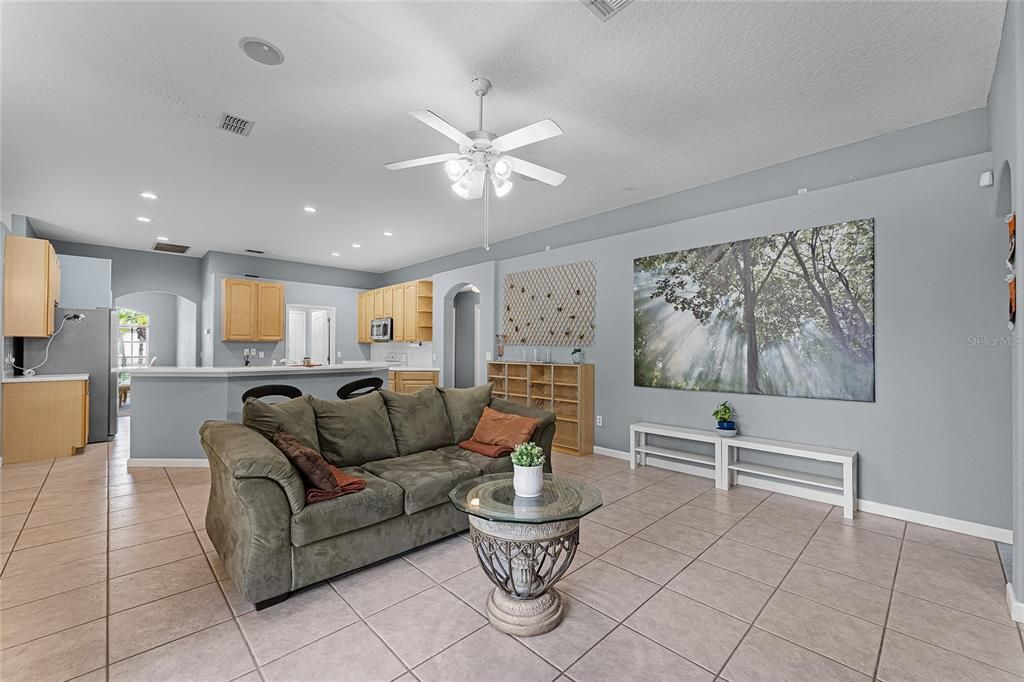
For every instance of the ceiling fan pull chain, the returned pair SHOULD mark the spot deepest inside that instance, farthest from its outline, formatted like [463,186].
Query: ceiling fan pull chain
[487,210]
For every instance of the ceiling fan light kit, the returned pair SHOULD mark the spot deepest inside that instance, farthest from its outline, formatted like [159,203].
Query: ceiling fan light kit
[482,159]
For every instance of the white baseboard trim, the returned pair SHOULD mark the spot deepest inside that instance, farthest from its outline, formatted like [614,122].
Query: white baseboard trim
[167,462]
[922,518]
[937,521]
[1016,608]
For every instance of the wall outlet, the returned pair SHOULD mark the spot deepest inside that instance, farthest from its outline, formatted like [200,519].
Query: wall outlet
[487,357]
[339,354]
[261,354]
[600,420]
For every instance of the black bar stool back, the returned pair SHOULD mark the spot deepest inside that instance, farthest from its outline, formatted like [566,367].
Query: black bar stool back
[360,387]
[266,390]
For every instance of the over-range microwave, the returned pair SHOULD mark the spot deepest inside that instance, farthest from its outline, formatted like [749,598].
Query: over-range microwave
[380,329]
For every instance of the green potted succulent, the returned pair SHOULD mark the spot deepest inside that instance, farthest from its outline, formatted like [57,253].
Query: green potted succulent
[724,415]
[528,469]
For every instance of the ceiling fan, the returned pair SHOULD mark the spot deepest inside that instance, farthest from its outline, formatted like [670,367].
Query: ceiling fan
[482,158]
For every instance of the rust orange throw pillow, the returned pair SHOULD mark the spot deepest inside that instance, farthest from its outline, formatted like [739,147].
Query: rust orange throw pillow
[499,428]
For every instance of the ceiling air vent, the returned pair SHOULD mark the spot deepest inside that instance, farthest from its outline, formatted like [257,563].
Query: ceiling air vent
[236,124]
[166,247]
[606,9]
[256,251]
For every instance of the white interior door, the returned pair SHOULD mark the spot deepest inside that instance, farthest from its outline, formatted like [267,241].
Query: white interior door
[320,336]
[295,346]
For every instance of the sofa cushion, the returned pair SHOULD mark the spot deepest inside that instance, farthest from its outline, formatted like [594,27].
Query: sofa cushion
[294,416]
[419,420]
[464,407]
[426,477]
[502,428]
[379,501]
[488,465]
[353,432]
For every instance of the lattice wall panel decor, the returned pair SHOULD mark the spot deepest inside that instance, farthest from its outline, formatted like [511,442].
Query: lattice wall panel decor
[551,306]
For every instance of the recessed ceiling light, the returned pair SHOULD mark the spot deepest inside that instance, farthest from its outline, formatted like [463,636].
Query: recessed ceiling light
[161,239]
[309,209]
[261,51]
[389,234]
[356,245]
[148,195]
[335,253]
[143,219]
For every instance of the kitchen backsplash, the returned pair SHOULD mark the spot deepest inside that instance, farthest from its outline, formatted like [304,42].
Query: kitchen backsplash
[417,355]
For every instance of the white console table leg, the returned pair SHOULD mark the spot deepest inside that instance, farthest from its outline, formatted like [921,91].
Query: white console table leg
[721,467]
[632,449]
[849,490]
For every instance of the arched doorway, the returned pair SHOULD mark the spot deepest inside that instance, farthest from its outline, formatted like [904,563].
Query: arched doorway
[462,335]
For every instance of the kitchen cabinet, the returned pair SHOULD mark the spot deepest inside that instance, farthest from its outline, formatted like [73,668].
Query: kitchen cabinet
[409,305]
[269,311]
[404,381]
[252,310]
[31,286]
[44,418]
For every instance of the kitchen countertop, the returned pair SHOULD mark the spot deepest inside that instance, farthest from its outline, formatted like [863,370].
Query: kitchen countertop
[414,369]
[355,367]
[41,378]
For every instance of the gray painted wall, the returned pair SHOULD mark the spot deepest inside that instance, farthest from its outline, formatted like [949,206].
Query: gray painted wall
[931,441]
[288,271]
[464,308]
[948,138]
[1006,124]
[85,282]
[162,309]
[185,347]
[229,354]
[133,271]
[446,286]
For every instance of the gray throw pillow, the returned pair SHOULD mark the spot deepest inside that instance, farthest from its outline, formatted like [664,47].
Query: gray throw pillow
[419,420]
[353,432]
[464,407]
[294,416]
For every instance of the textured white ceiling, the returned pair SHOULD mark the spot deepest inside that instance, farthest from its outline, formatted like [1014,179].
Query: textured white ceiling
[103,100]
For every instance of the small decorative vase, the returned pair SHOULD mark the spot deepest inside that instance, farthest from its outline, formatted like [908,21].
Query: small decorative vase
[577,358]
[528,481]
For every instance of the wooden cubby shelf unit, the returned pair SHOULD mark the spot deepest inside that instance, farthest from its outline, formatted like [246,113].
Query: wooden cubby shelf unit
[566,390]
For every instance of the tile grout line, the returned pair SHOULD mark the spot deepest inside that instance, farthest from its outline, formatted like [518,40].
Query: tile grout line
[31,508]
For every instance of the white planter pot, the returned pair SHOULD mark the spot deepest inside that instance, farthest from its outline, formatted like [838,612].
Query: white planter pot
[527,481]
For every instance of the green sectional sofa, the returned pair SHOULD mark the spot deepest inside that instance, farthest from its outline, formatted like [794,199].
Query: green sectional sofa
[404,446]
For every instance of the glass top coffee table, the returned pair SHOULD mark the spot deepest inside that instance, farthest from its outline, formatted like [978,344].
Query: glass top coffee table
[525,545]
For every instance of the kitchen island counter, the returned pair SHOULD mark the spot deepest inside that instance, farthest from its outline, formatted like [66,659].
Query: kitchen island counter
[169,404]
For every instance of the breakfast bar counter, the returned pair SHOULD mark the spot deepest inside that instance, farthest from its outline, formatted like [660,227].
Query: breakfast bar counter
[168,404]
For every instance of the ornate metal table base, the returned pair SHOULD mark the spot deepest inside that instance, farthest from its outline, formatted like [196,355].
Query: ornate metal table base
[524,560]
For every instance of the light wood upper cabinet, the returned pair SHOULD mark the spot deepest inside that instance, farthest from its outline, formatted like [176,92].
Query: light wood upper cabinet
[31,286]
[410,311]
[397,313]
[252,310]
[409,305]
[269,311]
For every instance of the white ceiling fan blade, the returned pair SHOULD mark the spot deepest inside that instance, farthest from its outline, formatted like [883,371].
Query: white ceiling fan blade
[422,161]
[535,132]
[442,126]
[476,189]
[532,170]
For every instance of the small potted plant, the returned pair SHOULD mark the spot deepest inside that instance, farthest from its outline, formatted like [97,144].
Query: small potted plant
[577,356]
[528,469]
[724,415]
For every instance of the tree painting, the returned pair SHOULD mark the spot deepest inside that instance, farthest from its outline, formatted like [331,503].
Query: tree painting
[790,314]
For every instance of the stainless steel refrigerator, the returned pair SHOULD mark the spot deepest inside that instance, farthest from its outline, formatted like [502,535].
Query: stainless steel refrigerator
[88,346]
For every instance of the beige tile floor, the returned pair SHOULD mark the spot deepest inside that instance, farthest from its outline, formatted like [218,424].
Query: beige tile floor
[108,574]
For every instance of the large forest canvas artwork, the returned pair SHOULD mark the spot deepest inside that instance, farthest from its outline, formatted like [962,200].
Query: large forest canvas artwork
[790,314]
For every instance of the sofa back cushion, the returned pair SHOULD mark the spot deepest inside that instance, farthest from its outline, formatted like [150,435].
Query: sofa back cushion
[353,432]
[419,420]
[464,407]
[294,416]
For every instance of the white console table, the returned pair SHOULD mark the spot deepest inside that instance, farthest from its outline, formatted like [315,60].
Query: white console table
[845,485]
[725,464]
[639,449]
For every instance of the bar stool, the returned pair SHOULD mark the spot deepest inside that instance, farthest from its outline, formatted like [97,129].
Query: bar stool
[271,390]
[360,387]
